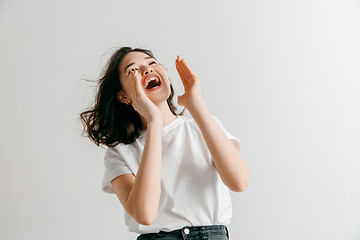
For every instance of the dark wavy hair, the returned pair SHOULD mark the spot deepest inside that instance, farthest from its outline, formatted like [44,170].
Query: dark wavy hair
[109,121]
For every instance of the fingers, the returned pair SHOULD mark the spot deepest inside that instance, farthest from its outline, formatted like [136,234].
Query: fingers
[184,68]
[135,87]
[180,67]
[134,75]
[133,80]
[181,74]
[181,70]
[136,81]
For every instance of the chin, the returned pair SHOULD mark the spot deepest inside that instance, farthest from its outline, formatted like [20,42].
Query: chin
[159,96]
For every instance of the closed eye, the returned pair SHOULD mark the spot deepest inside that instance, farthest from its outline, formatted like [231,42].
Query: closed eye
[133,69]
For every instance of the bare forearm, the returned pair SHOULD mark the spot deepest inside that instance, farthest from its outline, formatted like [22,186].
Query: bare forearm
[228,162]
[145,194]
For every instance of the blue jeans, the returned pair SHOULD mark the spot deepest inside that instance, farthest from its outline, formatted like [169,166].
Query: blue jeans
[211,232]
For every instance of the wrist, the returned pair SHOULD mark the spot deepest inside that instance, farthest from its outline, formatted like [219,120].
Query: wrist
[155,122]
[196,104]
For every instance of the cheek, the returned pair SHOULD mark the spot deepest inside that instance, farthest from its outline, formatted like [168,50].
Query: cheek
[164,74]
[127,89]
[125,86]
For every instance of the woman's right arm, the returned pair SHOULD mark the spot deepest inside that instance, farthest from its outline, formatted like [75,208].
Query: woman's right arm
[140,195]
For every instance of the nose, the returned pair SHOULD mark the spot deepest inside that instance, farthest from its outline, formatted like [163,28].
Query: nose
[147,70]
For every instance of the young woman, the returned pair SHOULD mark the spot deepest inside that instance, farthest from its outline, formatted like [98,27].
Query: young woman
[171,173]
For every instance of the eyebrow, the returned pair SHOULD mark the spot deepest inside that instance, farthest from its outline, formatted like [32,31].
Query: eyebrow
[134,63]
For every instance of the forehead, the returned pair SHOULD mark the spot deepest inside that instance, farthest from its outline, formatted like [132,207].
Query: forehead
[132,57]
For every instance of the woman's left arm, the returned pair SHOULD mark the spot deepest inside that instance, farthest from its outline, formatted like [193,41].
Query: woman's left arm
[228,162]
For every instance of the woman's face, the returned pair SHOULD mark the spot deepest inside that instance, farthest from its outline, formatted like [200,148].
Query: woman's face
[147,68]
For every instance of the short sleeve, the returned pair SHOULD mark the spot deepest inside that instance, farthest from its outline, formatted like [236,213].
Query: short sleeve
[237,143]
[114,167]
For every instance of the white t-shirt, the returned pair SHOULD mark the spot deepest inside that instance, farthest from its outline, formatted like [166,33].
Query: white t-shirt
[192,192]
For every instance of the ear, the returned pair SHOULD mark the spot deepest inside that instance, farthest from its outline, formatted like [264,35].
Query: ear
[122,98]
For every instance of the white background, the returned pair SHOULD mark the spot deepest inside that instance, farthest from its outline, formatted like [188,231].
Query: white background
[283,76]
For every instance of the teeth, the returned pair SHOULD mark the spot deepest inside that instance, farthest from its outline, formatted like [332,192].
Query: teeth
[150,79]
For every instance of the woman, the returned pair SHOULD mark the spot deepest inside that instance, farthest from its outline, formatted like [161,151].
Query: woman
[171,173]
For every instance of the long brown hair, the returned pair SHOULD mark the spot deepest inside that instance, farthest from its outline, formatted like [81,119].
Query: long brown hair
[109,121]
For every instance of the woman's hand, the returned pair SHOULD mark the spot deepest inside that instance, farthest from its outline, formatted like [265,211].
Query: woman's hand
[141,103]
[191,84]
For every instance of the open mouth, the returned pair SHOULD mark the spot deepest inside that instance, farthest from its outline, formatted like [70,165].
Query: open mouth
[152,83]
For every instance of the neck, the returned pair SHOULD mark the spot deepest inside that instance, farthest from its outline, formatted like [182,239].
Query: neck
[167,115]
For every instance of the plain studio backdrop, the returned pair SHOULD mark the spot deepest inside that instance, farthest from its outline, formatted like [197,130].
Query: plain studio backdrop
[283,76]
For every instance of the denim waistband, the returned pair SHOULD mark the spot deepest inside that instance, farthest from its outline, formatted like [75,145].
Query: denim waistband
[189,231]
